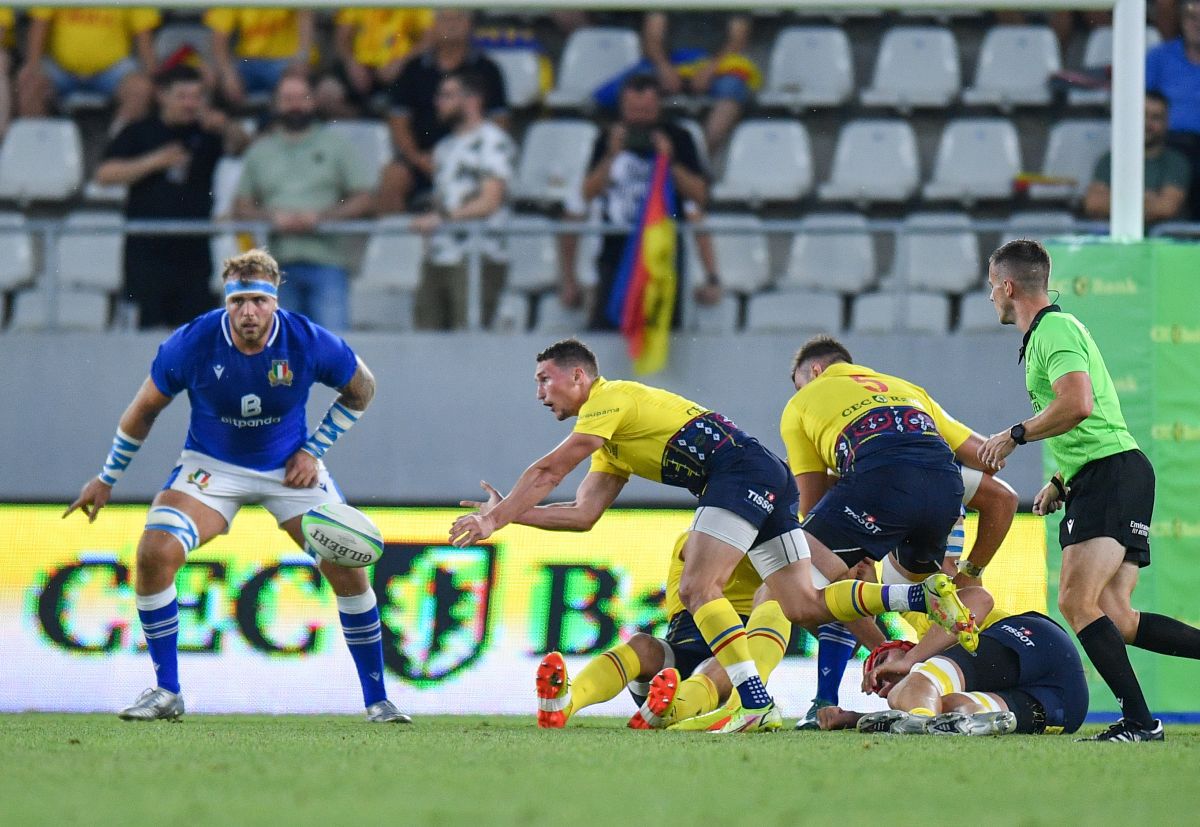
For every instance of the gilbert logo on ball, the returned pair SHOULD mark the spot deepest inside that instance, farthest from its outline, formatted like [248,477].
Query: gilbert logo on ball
[341,534]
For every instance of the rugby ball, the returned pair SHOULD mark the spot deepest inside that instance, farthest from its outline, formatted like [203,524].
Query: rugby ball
[341,534]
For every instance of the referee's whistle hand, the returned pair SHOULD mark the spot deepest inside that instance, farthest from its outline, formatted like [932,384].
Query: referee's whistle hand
[1047,501]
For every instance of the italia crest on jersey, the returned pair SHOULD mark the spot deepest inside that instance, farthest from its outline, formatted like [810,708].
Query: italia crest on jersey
[199,478]
[280,373]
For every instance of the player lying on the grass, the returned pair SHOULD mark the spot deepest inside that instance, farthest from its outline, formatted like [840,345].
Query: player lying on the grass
[681,653]
[747,506]
[247,370]
[1025,677]
[874,458]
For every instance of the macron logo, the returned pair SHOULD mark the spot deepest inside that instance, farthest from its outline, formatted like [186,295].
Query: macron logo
[218,370]
[1070,525]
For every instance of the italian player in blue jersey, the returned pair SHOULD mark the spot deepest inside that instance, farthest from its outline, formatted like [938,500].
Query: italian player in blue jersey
[247,371]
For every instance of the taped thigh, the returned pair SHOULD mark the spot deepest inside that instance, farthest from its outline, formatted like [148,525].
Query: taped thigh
[176,523]
[942,672]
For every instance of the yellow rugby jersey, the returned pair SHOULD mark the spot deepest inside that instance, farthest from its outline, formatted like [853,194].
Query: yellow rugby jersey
[86,41]
[639,425]
[261,33]
[829,422]
[384,35]
[8,25]
[739,591]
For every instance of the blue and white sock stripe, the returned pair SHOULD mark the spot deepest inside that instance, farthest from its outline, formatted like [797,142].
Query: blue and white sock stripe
[119,456]
[842,635]
[165,631]
[370,633]
[338,419]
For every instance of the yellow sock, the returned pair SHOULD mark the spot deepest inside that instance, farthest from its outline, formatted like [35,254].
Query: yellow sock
[695,696]
[921,710]
[768,631]
[852,599]
[604,677]
[726,637]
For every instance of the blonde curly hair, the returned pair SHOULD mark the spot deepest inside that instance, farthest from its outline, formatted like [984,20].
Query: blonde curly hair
[252,265]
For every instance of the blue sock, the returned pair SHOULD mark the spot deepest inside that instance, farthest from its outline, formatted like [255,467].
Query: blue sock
[360,624]
[835,645]
[159,614]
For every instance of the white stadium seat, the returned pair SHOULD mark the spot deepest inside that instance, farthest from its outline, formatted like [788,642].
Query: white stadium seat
[392,260]
[91,259]
[522,75]
[512,313]
[978,314]
[554,318]
[592,57]
[789,312]
[977,159]
[918,66]
[533,265]
[226,177]
[841,260]
[76,311]
[717,319]
[41,160]
[372,141]
[1038,225]
[910,312]
[554,160]
[769,160]
[1014,68]
[1072,151]
[875,161]
[16,262]
[1097,55]
[379,308]
[811,66]
[945,256]
[743,259]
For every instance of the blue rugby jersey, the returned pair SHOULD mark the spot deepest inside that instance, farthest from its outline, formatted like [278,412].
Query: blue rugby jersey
[250,410]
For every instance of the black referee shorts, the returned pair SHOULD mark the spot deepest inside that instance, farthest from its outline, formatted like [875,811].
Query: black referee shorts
[1112,497]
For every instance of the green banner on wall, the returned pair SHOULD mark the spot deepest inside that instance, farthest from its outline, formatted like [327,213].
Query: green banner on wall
[1139,302]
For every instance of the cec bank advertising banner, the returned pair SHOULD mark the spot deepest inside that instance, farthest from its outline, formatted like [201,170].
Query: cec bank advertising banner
[463,629]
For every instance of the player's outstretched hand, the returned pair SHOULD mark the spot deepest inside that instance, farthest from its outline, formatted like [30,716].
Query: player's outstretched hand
[301,470]
[493,500]
[834,717]
[471,529]
[1047,500]
[92,497]
[997,447]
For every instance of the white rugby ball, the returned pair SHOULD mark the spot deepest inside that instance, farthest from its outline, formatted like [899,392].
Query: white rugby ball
[341,534]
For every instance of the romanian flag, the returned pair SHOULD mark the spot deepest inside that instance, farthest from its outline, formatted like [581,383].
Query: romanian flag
[642,303]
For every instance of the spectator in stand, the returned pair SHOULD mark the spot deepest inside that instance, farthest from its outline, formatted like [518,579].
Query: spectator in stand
[167,160]
[296,177]
[472,167]
[619,176]
[7,28]
[270,44]
[414,120]
[105,51]
[1167,172]
[1173,70]
[372,46]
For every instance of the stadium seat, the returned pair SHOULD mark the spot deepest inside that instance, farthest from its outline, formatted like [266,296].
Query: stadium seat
[16,262]
[87,258]
[769,160]
[978,315]
[743,259]
[938,251]
[918,66]
[592,57]
[76,311]
[717,319]
[522,75]
[225,183]
[841,260]
[1015,65]
[910,312]
[875,161]
[41,160]
[977,159]
[1098,55]
[512,314]
[393,259]
[379,308]
[554,318]
[1072,151]
[794,311]
[554,160]
[533,265]
[173,36]
[371,139]
[811,66]
[1038,225]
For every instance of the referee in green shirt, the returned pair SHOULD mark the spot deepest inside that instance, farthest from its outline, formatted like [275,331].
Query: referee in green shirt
[1106,483]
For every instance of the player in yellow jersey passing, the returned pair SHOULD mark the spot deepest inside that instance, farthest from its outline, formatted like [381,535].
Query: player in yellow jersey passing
[747,506]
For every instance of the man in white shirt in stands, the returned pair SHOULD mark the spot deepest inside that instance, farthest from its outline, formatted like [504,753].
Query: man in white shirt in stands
[472,167]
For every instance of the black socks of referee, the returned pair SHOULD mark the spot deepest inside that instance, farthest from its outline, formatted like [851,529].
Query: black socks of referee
[1106,650]
[1167,636]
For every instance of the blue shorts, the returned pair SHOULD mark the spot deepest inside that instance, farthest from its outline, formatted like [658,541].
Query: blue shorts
[102,83]
[908,508]
[687,644]
[756,485]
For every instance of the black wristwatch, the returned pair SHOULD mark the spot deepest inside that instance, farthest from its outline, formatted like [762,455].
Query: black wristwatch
[1017,432]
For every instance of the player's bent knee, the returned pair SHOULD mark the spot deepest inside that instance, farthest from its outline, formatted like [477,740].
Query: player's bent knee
[175,523]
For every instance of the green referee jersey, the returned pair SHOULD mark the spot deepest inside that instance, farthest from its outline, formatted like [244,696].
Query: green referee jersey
[1057,344]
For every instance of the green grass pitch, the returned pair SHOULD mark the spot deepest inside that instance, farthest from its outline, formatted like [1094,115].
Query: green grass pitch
[292,770]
